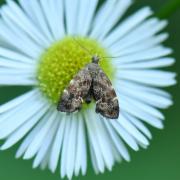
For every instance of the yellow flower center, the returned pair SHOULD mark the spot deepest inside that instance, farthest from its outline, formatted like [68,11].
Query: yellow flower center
[62,61]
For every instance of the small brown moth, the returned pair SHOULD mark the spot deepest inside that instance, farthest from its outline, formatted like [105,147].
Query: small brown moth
[90,82]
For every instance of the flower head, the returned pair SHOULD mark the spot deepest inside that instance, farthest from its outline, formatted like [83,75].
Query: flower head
[38,50]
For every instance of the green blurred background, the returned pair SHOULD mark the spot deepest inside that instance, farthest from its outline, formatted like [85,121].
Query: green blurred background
[161,161]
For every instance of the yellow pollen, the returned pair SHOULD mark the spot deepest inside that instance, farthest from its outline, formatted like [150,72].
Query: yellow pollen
[62,61]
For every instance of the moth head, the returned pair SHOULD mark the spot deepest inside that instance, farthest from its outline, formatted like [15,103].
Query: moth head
[95,59]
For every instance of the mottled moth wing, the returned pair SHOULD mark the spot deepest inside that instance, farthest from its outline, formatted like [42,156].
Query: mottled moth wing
[76,91]
[106,100]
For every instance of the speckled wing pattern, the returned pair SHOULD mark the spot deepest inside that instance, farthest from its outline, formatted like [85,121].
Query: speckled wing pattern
[106,100]
[77,90]
[90,82]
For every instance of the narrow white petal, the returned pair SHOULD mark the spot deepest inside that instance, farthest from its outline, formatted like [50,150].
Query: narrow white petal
[57,145]
[147,30]
[125,135]
[139,125]
[13,81]
[157,63]
[144,95]
[15,56]
[15,102]
[128,25]
[70,15]
[147,89]
[71,150]
[138,113]
[149,54]
[81,152]
[95,146]
[24,129]
[45,161]
[53,12]
[29,138]
[64,154]
[117,142]
[93,159]
[144,107]
[12,40]
[133,130]
[86,13]
[39,137]
[15,13]
[103,140]
[151,77]
[16,72]
[8,63]
[57,18]
[138,46]
[9,125]
[46,144]
[37,16]
[109,14]
[21,36]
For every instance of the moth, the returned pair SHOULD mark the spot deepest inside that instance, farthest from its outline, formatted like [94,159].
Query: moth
[90,82]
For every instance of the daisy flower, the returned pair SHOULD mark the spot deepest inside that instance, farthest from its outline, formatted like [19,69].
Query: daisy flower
[37,50]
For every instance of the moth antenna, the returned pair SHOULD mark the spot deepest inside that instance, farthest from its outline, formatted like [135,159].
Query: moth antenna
[110,57]
[87,50]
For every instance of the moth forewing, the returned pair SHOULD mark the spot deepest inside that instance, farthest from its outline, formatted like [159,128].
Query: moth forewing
[106,100]
[78,88]
[90,82]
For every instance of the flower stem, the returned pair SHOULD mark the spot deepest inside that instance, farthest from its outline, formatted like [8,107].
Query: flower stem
[169,9]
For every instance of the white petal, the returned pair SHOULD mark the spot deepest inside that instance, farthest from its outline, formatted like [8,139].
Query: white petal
[37,141]
[152,53]
[157,63]
[132,130]
[64,154]
[37,16]
[15,102]
[146,30]
[144,107]
[15,56]
[139,46]
[70,15]
[16,72]
[139,125]
[108,15]
[144,94]
[29,138]
[125,135]
[57,145]
[81,152]
[24,129]
[10,124]
[96,153]
[138,113]
[9,80]
[103,140]
[128,25]
[8,63]
[71,150]
[12,40]
[117,141]
[14,12]
[45,161]
[46,144]
[84,18]
[53,11]
[151,77]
